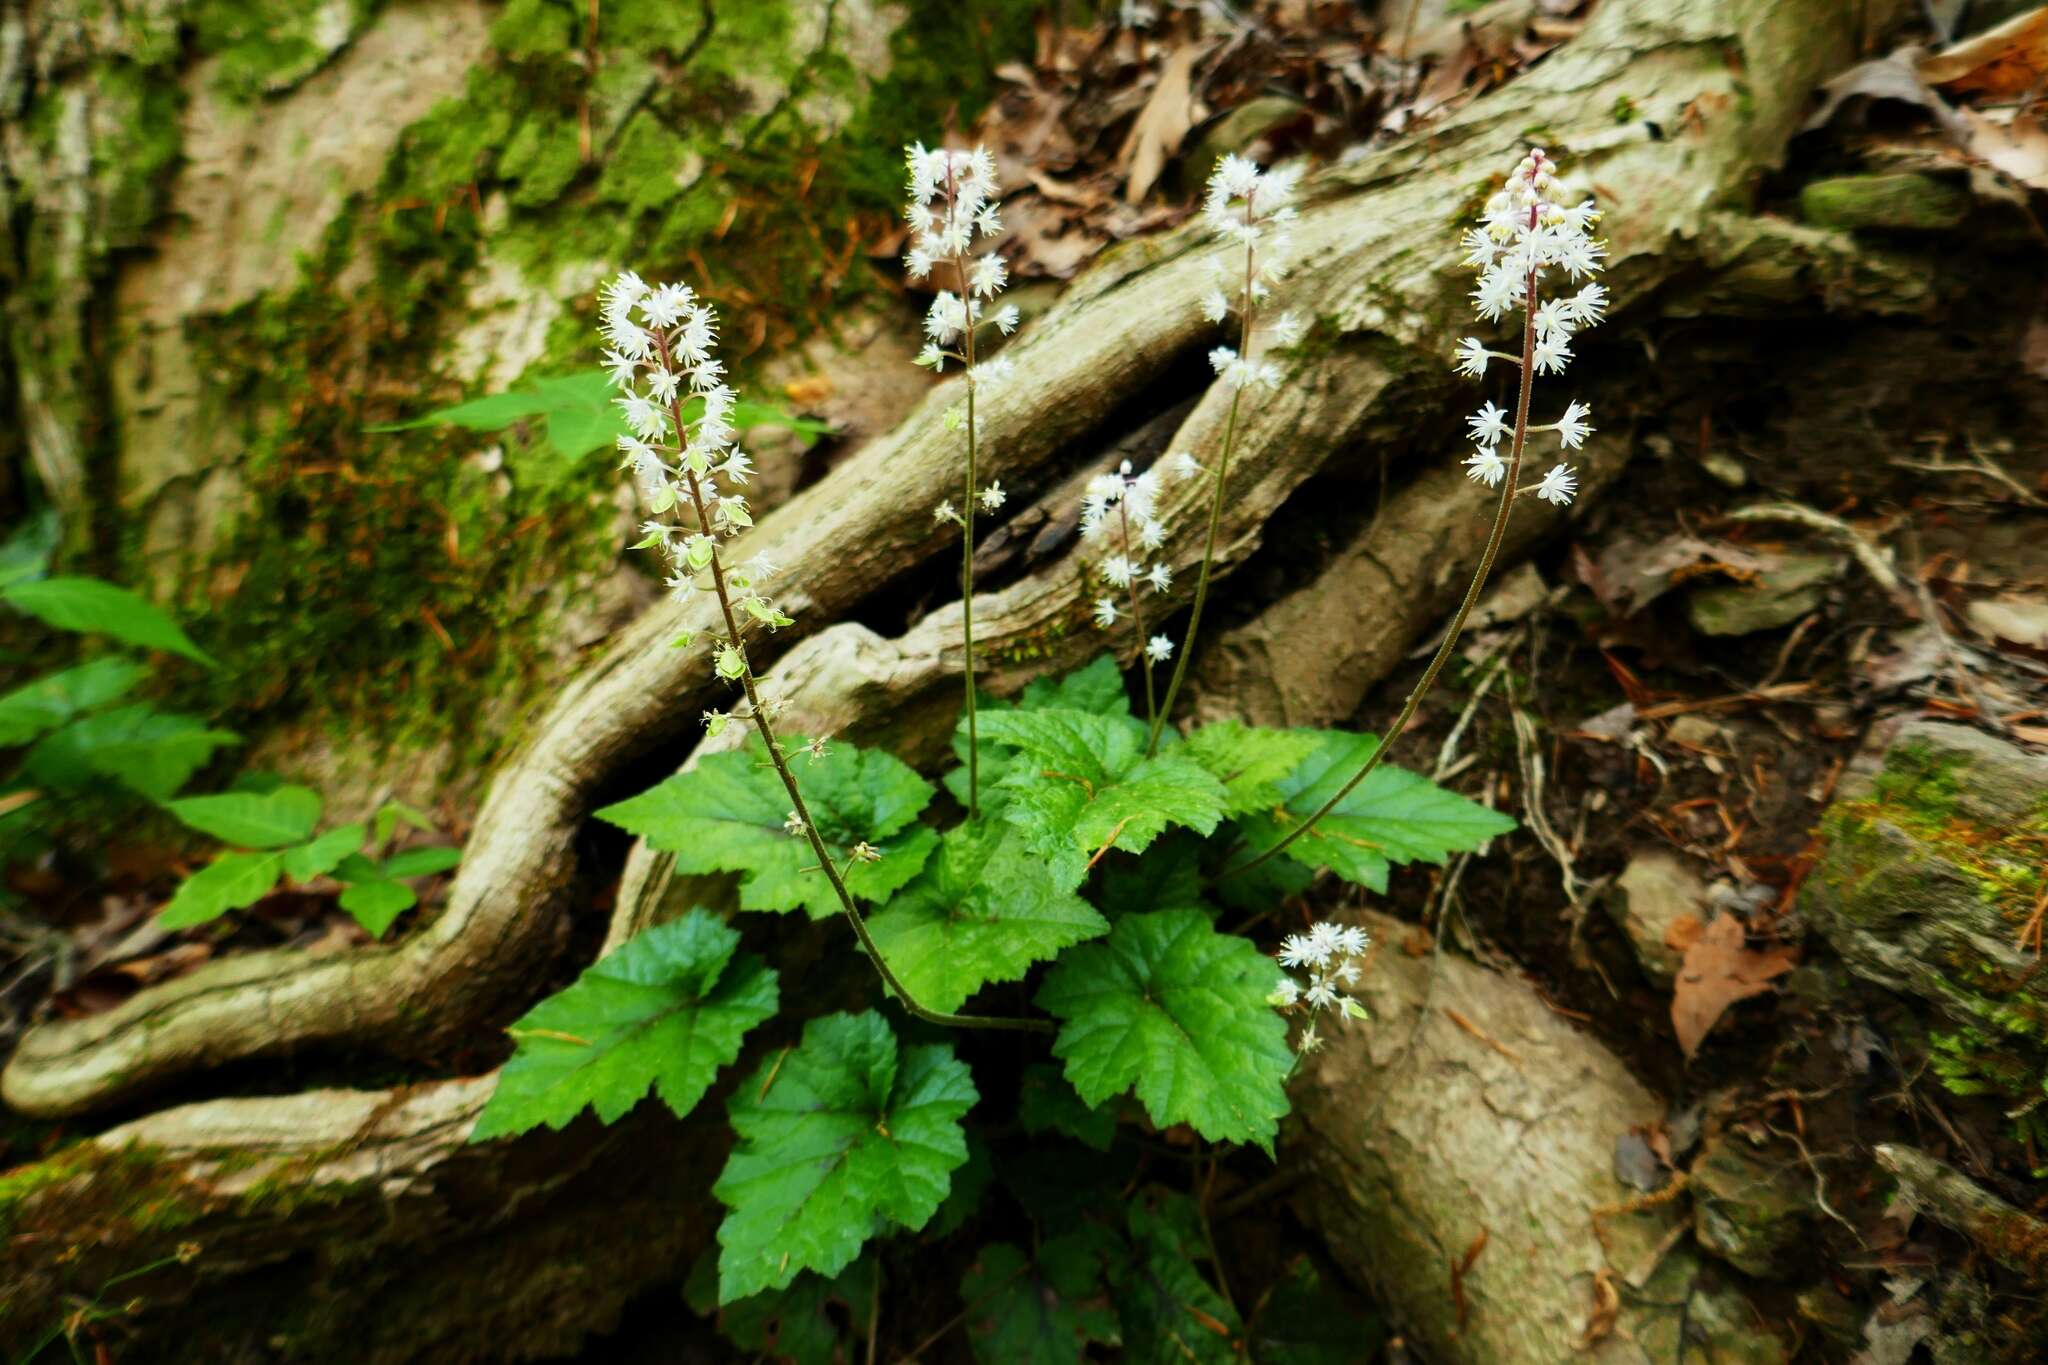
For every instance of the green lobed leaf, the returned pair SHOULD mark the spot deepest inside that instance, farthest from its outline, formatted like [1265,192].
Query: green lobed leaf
[1250,762]
[1040,1310]
[1394,816]
[233,881]
[664,1011]
[320,856]
[150,752]
[1166,876]
[41,706]
[726,815]
[1172,1009]
[799,1324]
[91,607]
[1097,688]
[1084,783]
[1046,1102]
[391,814]
[375,903]
[1171,1314]
[1300,1320]
[422,862]
[983,909]
[272,819]
[839,1140]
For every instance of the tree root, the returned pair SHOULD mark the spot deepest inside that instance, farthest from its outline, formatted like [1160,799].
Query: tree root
[1374,266]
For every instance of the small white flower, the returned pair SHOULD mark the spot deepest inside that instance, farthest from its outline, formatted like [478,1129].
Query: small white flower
[1151,534]
[945,512]
[993,497]
[795,824]
[1118,570]
[1558,485]
[865,852]
[1589,305]
[1309,1041]
[1215,307]
[1572,428]
[932,357]
[1181,465]
[1488,425]
[1105,613]
[1222,358]
[1296,950]
[1552,353]
[1472,358]
[1006,318]
[1160,577]
[1159,649]
[1286,330]
[988,275]
[1485,466]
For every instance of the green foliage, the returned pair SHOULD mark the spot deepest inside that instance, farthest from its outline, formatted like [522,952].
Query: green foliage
[1039,1310]
[1172,1009]
[1170,1314]
[272,819]
[36,708]
[1394,816]
[728,814]
[1251,762]
[1302,1321]
[1046,1102]
[797,1324]
[233,881]
[90,607]
[984,909]
[839,1140]
[149,752]
[1098,689]
[1084,784]
[664,1012]
[577,414]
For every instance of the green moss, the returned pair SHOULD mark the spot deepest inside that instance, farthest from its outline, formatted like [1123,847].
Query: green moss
[1903,202]
[534,28]
[265,47]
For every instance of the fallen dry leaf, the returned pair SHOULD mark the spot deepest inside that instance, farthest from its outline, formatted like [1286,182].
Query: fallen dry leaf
[1720,969]
[2009,60]
[2016,146]
[1162,124]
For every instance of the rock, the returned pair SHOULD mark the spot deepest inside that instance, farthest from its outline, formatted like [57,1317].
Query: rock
[1238,131]
[1654,894]
[1749,1207]
[1779,596]
[1902,202]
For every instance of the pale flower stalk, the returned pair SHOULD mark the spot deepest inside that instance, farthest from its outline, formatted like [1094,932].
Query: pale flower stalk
[1119,513]
[1254,209]
[1526,235]
[661,341]
[952,205]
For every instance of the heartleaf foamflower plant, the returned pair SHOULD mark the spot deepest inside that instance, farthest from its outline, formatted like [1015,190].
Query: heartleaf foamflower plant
[1527,236]
[952,205]
[1253,210]
[1120,513]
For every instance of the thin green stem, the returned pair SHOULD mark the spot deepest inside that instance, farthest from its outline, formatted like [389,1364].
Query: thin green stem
[796,797]
[1443,652]
[1138,620]
[1187,644]
[967,562]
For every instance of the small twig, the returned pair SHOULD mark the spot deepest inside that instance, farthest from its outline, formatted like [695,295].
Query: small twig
[1820,1184]
[1834,528]
[1466,1024]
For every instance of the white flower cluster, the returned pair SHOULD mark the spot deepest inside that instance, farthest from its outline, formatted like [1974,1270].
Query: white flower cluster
[952,204]
[1524,232]
[1128,504]
[1329,954]
[1254,209]
[680,447]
